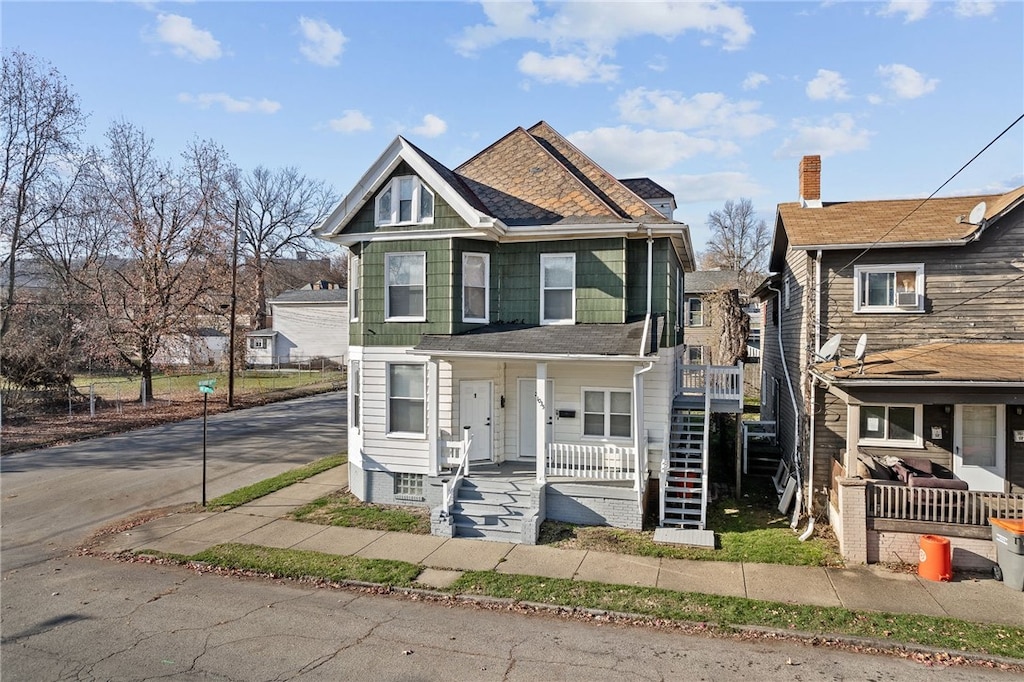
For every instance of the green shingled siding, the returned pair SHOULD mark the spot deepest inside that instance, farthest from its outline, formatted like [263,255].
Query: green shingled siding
[663,291]
[445,217]
[372,330]
[600,280]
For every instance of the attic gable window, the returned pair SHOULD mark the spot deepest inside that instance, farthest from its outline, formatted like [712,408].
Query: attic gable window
[404,201]
[889,288]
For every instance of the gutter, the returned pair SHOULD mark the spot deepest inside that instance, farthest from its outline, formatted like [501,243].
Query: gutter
[796,412]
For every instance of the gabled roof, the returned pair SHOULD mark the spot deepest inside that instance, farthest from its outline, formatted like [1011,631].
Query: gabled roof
[708,281]
[311,296]
[895,223]
[647,189]
[528,179]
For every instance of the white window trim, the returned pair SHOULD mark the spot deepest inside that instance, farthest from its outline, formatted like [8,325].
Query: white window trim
[689,311]
[572,317]
[258,343]
[487,287]
[355,375]
[388,317]
[417,188]
[607,414]
[860,306]
[917,443]
[354,288]
[694,347]
[404,435]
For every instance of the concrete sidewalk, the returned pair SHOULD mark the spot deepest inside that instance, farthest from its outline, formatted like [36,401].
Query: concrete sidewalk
[871,588]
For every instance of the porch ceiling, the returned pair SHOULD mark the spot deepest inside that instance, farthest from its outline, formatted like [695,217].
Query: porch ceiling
[604,340]
[934,363]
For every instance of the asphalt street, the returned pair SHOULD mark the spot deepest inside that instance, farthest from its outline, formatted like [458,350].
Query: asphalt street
[64,616]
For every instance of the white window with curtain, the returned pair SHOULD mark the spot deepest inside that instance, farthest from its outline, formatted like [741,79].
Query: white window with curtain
[405,281]
[607,413]
[406,391]
[476,272]
[557,288]
[404,200]
[353,288]
[891,425]
[889,288]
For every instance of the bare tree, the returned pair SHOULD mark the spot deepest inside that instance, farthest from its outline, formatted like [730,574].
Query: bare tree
[279,210]
[739,241]
[40,125]
[171,243]
[731,325]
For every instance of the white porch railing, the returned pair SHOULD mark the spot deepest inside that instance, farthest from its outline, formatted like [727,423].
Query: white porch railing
[938,505]
[455,453]
[600,462]
[717,382]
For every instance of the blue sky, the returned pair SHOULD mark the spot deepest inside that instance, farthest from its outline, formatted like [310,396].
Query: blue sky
[714,101]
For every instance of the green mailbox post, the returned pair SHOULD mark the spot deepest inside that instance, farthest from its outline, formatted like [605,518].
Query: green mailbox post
[206,387]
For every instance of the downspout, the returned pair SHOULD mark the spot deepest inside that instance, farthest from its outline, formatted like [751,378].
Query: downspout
[796,411]
[814,407]
[641,467]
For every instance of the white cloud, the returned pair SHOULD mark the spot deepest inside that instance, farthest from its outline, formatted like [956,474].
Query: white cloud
[835,135]
[657,63]
[689,189]
[601,25]
[568,69]
[625,151]
[754,80]
[230,104]
[351,121]
[711,113]
[975,8]
[432,126]
[186,40]
[322,44]
[906,82]
[912,10]
[827,85]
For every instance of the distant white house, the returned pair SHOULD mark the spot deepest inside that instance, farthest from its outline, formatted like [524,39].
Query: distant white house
[203,346]
[306,324]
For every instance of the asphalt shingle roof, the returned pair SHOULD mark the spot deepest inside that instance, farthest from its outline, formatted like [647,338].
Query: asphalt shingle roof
[708,281]
[936,362]
[312,296]
[577,339]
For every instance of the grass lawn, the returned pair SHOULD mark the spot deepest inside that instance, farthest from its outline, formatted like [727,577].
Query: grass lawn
[944,633]
[185,386]
[345,509]
[269,485]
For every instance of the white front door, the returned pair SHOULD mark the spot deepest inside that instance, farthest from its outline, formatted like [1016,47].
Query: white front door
[475,412]
[979,446]
[528,416]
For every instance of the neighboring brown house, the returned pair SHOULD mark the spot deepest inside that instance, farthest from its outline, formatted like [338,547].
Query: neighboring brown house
[936,288]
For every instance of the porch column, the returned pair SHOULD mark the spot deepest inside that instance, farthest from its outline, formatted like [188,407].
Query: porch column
[639,429]
[542,421]
[433,423]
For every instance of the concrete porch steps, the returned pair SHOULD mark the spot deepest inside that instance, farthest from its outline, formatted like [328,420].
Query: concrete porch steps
[490,509]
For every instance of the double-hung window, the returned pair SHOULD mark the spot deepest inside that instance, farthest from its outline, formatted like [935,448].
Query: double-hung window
[695,312]
[889,288]
[890,425]
[607,413]
[475,287]
[353,288]
[405,280]
[257,343]
[404,201]
[406,398]
[557,288]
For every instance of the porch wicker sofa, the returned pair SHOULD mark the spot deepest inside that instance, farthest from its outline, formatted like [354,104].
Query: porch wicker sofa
[913,472]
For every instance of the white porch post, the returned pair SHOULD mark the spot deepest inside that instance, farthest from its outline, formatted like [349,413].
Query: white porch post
[433,424]
[542,421]
[639,428]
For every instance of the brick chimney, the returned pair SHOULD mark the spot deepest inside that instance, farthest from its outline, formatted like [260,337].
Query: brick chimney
[810,181]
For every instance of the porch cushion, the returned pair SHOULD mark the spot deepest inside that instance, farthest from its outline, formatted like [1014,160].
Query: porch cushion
[920,465]
[936,482]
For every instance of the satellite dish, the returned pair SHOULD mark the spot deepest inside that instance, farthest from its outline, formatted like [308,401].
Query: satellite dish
[977,213]
[831,348]
[862,347]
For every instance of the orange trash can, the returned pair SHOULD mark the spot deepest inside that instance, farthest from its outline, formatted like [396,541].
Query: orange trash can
[934,558]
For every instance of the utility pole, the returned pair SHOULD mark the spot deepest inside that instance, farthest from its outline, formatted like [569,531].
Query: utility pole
[234,308]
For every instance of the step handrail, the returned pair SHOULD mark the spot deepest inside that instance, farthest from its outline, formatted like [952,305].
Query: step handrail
[450,487]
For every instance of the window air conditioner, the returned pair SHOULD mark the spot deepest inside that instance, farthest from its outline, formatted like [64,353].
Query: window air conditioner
[906,299]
